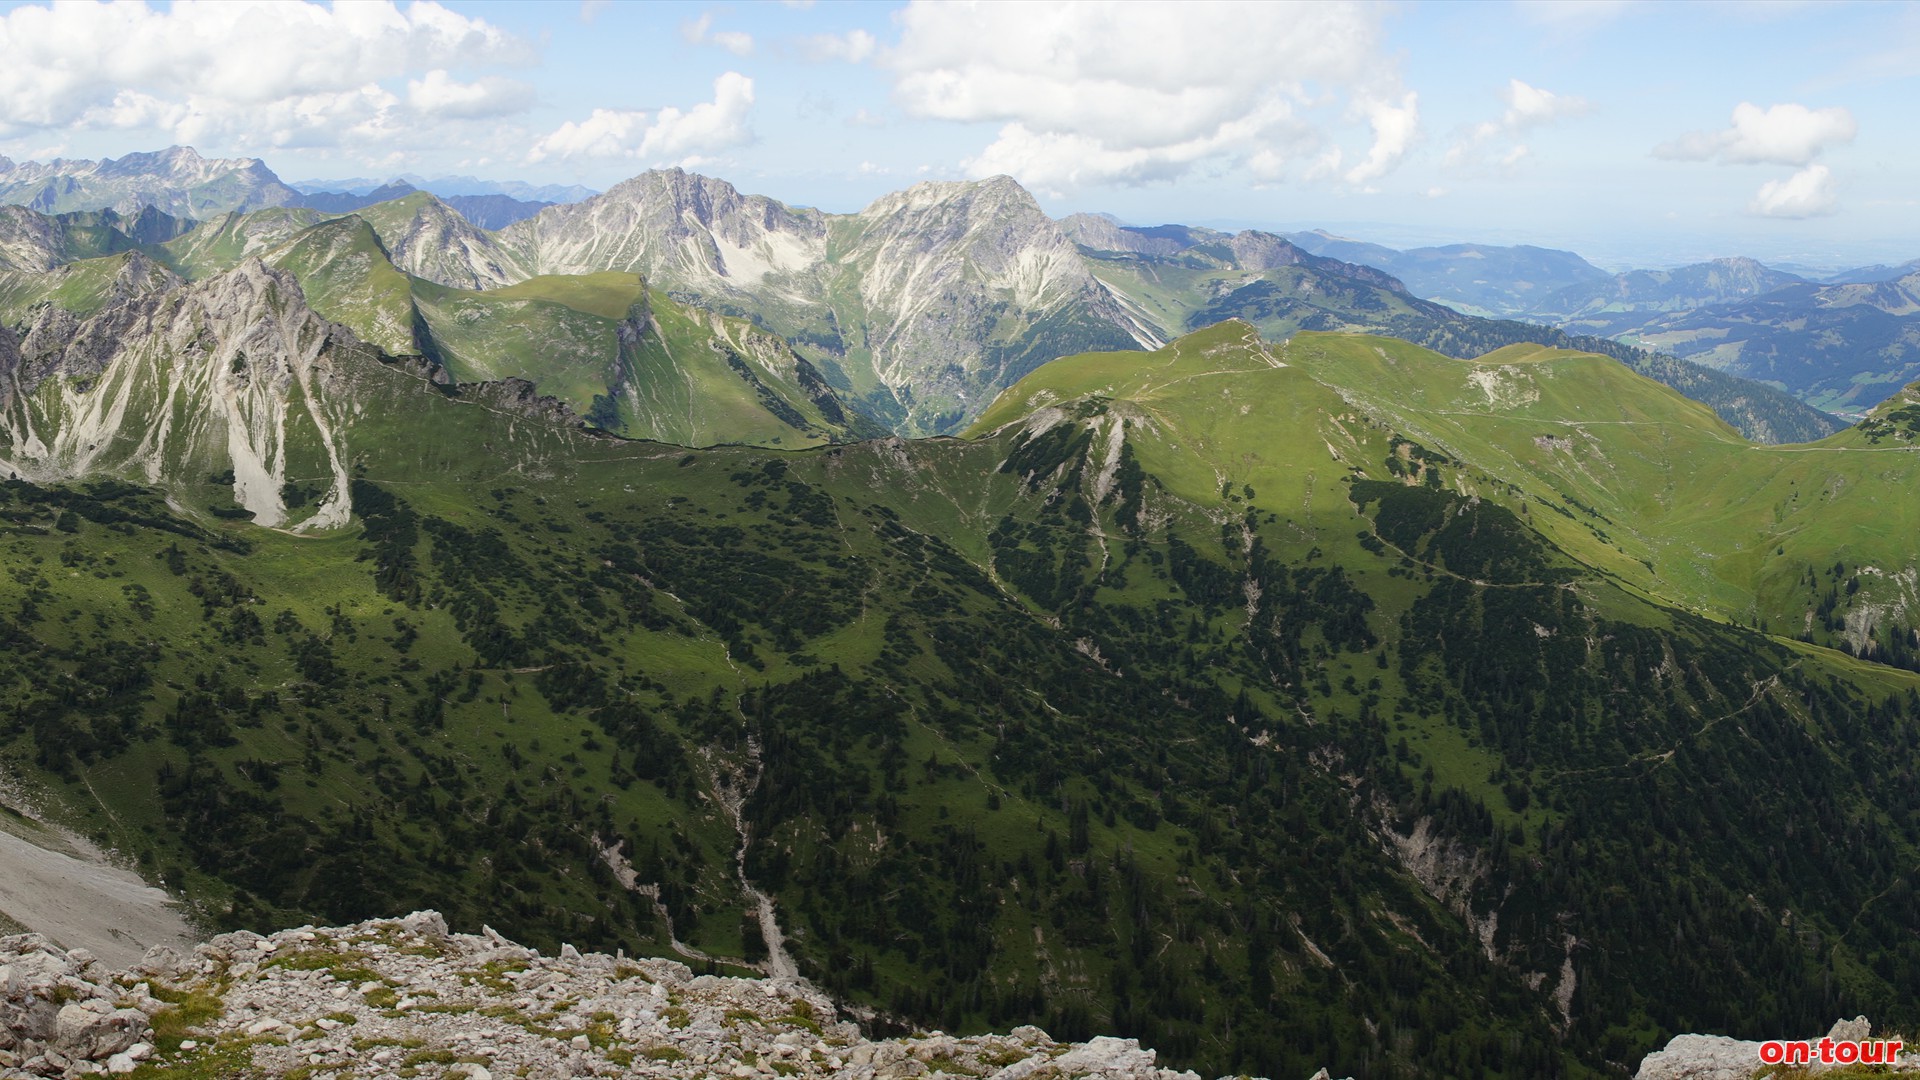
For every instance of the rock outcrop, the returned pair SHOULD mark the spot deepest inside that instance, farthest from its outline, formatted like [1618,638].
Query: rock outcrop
[390,997]
[63,1014]
[1717,1057]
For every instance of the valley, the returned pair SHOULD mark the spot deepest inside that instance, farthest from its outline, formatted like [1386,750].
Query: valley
[1149,632]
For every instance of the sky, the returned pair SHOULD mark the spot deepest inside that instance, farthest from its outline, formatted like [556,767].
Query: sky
[1644,134]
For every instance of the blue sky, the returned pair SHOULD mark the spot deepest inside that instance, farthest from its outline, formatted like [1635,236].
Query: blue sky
[1646,134]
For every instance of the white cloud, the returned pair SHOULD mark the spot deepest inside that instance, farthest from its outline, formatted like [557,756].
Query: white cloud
[670,134]
[1780,135]
[279,74]
[440,94]
[1107,92]
[1789,134]
[1528,107]
[591,9]
[852,47]
[700,32]
[1394,127]
[1807,193]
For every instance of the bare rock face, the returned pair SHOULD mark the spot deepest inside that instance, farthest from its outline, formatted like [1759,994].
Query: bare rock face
[430,240]
[1702,1057]
[931,300]
[167,379]
[384,997]
[63,1014]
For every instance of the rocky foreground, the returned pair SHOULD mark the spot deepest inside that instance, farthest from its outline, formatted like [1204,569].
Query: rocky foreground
[406,998]
[395,998]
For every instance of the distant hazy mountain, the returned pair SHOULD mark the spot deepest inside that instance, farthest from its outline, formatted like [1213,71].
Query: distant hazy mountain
[176,180]
[485,211]
[448,187]
[346,202]
[495,211]
[1632,299]
[1863,275]
[1479,279]
[1841,347]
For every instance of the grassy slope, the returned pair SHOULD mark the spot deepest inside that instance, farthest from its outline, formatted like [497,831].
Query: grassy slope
[1616,469]
[347,279]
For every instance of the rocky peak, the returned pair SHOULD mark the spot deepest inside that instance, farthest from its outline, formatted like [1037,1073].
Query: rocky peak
[180,163]
[992,231]
[431,240]
[670,195]
[691,231]
[995,196]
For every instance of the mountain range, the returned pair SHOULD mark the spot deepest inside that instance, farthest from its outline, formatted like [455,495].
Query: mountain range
[1824,342]
[176,181]
[1007,620]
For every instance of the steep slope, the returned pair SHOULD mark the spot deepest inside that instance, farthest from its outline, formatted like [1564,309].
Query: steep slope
[232,376]
[958,289]
[1625,476]
[920,307]
[78,289]
[691,231]
[345,273]
[636,363]
[1630,300]
[176,181]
